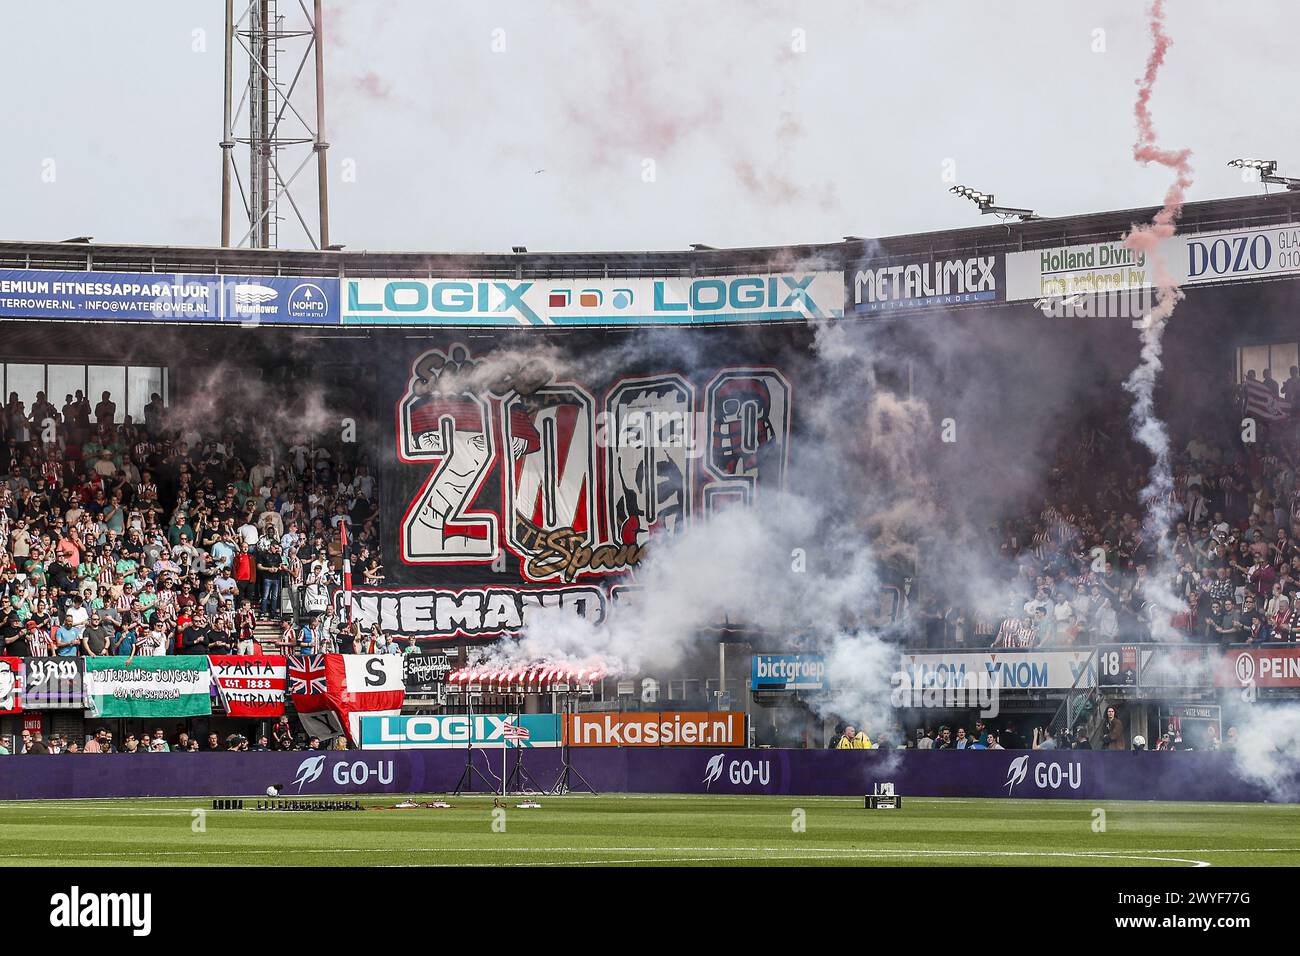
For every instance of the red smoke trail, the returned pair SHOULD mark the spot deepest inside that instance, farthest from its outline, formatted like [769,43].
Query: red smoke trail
[1158,495]
[1145,150]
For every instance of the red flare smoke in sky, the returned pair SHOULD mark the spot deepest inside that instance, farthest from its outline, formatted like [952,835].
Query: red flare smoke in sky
[1145,150]
[1158,495]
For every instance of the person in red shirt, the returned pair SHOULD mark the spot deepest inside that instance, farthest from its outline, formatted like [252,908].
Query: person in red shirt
[244,572]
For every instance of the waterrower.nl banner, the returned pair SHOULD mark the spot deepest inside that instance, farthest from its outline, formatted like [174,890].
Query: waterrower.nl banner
[150,296]
[148,687]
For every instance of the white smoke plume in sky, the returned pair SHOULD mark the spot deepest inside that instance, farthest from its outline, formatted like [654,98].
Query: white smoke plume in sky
[1158,495]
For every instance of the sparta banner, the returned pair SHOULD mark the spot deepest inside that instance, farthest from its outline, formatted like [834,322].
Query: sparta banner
[249,685]
[543,474]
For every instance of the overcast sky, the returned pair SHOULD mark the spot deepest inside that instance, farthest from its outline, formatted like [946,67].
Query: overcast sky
[475,125]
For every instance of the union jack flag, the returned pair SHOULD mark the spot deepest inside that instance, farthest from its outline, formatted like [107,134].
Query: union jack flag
[306,674]
[513,731]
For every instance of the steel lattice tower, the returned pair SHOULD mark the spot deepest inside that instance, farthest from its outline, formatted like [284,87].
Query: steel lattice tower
[281,134]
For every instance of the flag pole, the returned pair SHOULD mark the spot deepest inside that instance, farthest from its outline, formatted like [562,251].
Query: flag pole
[505,745]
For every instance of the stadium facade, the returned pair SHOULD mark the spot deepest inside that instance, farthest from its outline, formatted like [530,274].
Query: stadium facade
[545,487]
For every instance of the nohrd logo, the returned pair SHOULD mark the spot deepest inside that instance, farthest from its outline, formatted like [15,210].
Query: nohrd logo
[308,301]
[76,909]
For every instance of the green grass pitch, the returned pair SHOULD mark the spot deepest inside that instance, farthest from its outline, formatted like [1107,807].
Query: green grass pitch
[640,830]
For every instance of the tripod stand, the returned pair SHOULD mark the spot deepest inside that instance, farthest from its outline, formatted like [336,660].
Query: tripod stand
[564,783]
[466,781]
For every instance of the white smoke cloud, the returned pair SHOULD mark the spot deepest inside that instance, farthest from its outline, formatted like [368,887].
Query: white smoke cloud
[1268,749]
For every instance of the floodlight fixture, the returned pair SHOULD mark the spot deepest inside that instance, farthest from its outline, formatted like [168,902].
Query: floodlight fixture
[987,203]
[1267,169]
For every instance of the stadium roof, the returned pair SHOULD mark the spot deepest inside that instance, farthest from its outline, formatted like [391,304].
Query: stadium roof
[1213,215]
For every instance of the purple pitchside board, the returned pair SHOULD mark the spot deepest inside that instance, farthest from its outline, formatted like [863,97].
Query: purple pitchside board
[1009,773]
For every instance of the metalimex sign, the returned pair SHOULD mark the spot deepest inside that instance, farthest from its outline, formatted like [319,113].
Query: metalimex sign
[877,285]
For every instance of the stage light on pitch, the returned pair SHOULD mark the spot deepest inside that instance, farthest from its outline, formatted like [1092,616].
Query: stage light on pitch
[883,797]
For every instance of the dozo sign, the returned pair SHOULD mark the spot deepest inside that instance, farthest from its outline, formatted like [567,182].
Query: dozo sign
[1197,258]
[773,672]
[667,729]
[680,300]
[448,731]
[1259,667]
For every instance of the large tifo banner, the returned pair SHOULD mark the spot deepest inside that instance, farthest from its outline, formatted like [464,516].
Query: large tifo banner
[517,482]
[127,296]
[490,731]
[780,297]
[149,687]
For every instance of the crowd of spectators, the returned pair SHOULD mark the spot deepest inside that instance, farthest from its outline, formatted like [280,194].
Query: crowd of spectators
[1082,563]
[282,737]
[179,534]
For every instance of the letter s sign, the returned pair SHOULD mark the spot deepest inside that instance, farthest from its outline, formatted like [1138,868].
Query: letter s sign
[375,676]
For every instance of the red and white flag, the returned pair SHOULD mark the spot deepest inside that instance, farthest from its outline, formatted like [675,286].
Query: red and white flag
[513,731]
[354,686]
[1263,402]
[347,569]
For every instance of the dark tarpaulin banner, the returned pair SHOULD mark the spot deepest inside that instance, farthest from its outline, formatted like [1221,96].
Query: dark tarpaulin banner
[424,673]
[53,683]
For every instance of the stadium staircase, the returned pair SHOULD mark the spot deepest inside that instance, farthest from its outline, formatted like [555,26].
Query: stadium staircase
[266,634]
